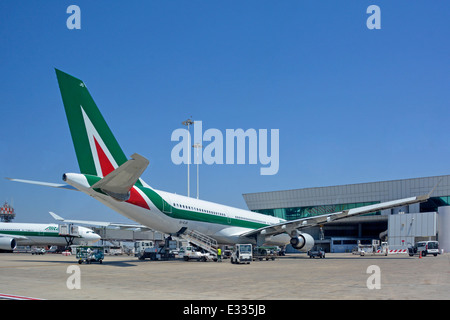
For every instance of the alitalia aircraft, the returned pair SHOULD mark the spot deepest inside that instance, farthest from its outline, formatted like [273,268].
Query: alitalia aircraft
[108,176]
[38,234]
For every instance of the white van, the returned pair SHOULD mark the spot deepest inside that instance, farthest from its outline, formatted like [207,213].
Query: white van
[427,247]
[190,253]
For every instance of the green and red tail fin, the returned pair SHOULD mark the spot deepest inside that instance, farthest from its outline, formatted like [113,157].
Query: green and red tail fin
[98,152]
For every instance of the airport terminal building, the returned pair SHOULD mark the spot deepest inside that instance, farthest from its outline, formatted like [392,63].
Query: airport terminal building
[402,226]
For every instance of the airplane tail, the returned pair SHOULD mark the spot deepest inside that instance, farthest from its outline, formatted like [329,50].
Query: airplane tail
[98,152]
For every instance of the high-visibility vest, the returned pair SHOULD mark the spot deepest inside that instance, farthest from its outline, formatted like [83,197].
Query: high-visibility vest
[219,252]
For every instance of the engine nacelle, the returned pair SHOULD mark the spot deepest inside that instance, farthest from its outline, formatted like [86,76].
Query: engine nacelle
[303,242]
[7,243]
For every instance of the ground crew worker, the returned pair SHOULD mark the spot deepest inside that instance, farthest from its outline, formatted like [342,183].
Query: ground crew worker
[219,255]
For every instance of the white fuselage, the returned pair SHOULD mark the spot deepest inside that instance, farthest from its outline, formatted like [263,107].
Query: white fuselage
[228,231]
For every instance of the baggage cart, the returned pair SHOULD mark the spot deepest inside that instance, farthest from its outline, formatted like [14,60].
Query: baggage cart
[90,254]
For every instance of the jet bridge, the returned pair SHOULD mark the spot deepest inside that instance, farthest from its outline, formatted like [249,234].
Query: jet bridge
[69,232]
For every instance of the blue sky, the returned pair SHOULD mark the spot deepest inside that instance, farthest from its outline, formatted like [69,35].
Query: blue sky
[351,104]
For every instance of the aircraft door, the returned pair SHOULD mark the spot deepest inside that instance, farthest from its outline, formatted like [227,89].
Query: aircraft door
[167,208]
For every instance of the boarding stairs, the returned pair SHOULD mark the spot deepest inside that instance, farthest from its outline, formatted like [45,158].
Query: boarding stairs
[200,240]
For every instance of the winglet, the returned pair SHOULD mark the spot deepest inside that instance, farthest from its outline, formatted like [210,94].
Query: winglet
[427,196]
[434,188]
[56,217]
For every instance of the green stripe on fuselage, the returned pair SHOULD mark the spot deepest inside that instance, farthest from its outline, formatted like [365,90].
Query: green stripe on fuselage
[194,215]
[30,233]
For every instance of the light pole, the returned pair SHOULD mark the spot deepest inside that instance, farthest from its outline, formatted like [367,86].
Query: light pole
[197,146]
[187,123]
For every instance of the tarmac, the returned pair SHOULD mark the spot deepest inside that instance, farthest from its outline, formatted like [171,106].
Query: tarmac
[293,277]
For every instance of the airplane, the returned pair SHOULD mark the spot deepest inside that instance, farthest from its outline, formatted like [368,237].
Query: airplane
[38,234]
[107,175]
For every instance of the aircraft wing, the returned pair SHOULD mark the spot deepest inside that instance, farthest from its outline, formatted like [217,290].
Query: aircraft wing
[45,184]
[15,236]
[124,226]
[298,224]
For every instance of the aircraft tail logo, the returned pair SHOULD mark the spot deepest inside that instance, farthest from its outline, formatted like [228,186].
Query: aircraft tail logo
[98,152]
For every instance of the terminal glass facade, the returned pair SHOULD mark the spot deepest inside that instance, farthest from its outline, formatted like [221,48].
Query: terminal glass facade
[311,211]
[434,203]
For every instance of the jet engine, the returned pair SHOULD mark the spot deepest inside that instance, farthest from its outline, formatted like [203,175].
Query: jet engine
[7,243]
[302,241]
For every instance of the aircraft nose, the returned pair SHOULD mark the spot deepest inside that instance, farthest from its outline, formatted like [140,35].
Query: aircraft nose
[95,237]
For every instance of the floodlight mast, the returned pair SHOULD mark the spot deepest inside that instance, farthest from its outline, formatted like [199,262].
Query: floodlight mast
[187,123]
[197,146]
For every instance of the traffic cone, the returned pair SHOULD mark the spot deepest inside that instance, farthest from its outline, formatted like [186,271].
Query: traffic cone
[420,254]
